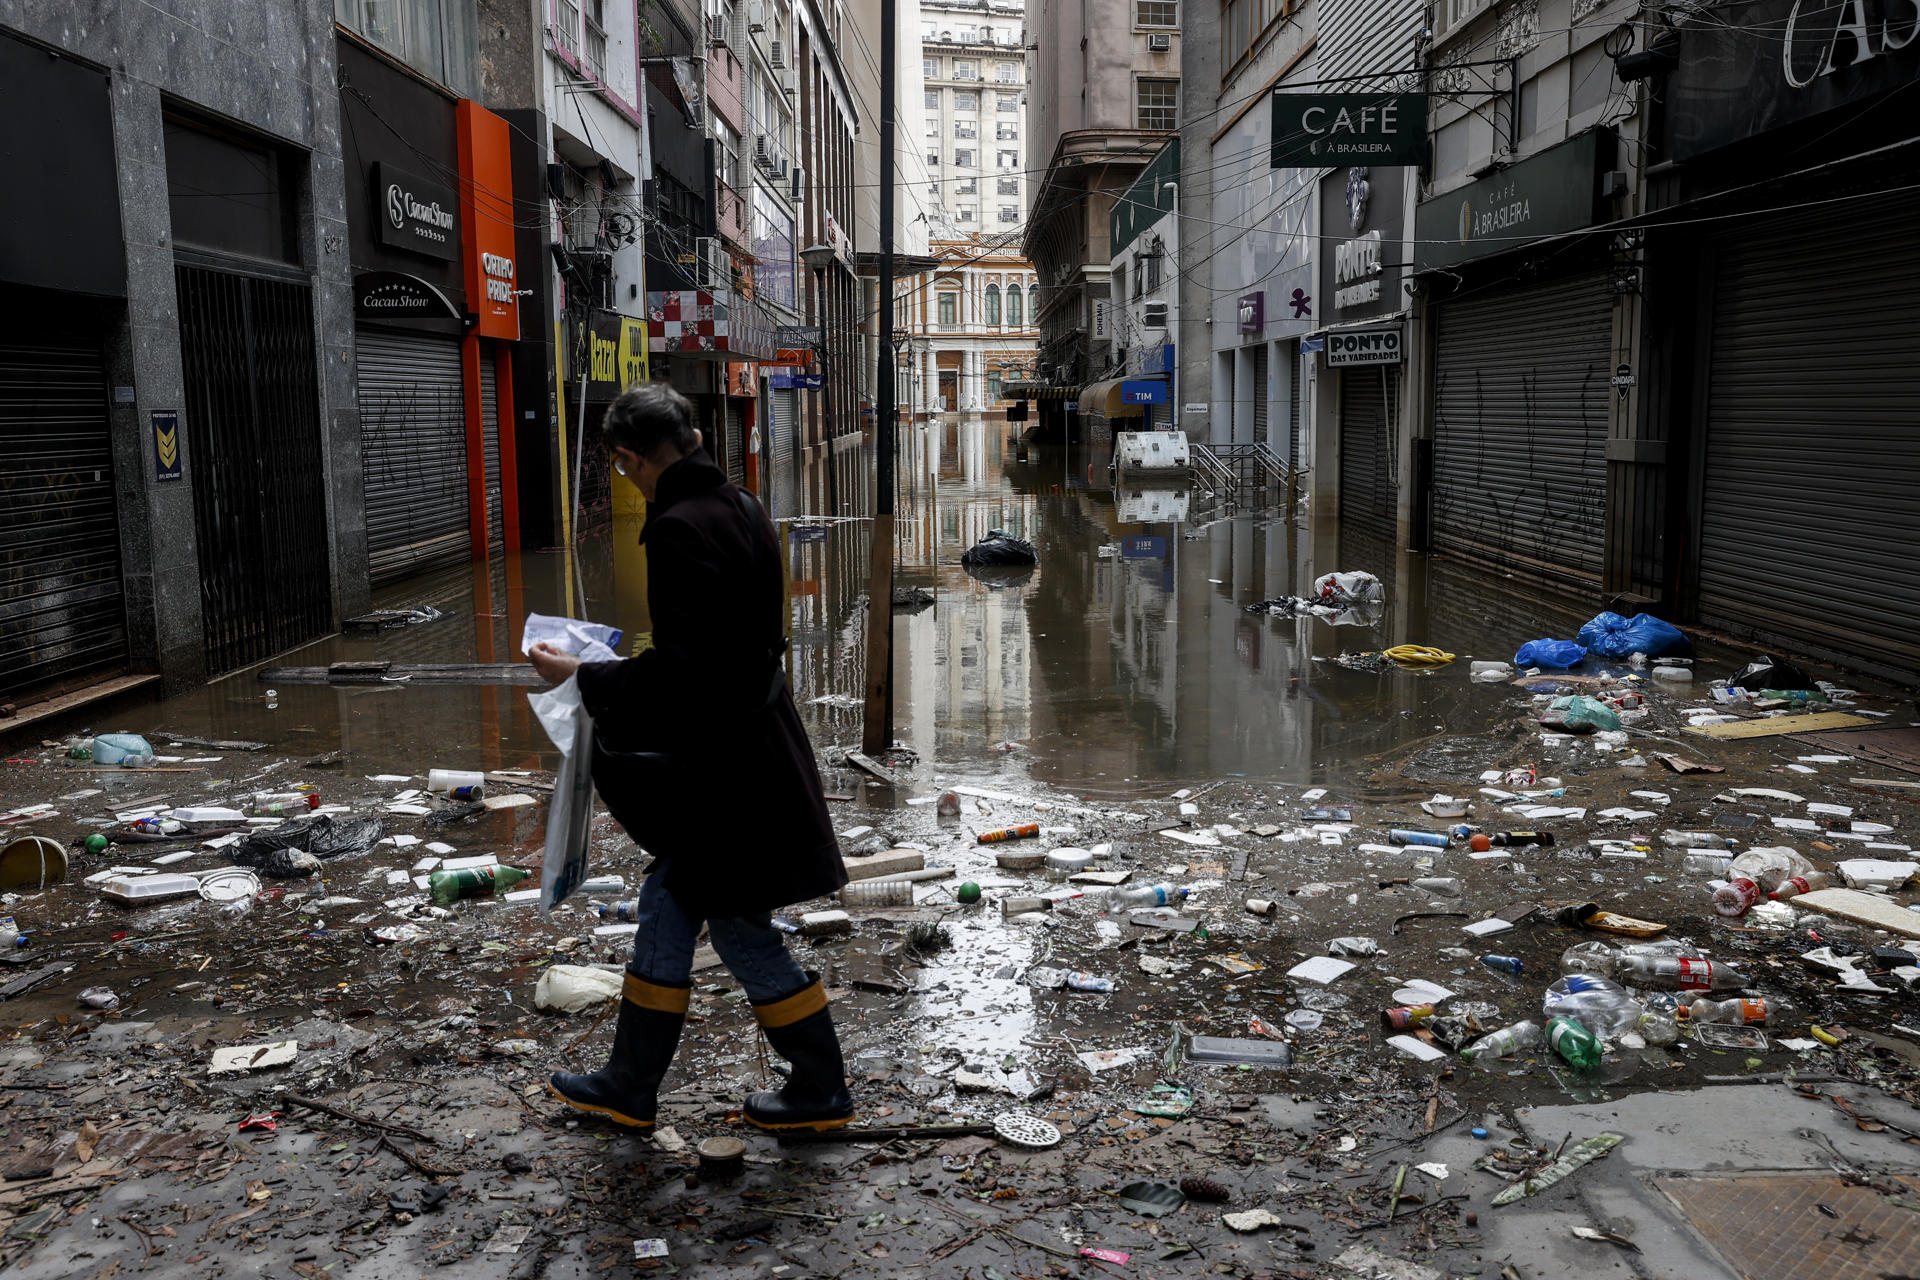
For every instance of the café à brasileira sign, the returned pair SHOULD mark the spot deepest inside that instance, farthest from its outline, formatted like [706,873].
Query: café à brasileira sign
[1321,129]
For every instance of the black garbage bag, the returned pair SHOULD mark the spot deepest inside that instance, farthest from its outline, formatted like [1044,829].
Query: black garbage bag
[1769,672]
[298,848]
[998,550]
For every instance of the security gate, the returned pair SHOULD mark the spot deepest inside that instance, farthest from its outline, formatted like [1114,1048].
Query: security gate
[254,455]
[1368,494]
[413,447]
[62,614]
[490,438]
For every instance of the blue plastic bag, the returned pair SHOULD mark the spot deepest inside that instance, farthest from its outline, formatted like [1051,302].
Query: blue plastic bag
[1611,636]
[1549,653]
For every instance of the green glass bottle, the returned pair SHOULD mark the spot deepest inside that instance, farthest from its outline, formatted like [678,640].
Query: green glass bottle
[448,887]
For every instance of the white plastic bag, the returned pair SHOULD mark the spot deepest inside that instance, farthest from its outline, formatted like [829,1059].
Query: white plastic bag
[590,641]
[569,817]
[554,710]
[1348,588]
[569,988]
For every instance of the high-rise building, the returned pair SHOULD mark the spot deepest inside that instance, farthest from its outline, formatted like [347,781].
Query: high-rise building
[973,70]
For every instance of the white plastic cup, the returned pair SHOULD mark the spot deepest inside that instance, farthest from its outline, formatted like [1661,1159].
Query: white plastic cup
[447,780]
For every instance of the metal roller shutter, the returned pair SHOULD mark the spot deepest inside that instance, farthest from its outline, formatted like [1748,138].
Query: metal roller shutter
[736,455]
[1521,387]
[490,436]
[785,424]
[413,440]
[1296,447]
[62,612]
[1367,489]
[1810,507]
[1260,394]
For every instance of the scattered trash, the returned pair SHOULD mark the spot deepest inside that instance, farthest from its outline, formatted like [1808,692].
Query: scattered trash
[1583,1152]
[1151,1199]
[999,549]
[569,988]
[100,998]
[1557,654]
[253,1057]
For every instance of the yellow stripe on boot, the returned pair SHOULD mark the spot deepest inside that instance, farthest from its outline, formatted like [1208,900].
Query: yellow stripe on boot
[651,995]
[804,1003]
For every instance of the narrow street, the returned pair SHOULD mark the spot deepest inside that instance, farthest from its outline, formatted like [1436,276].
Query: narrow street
[1135,703]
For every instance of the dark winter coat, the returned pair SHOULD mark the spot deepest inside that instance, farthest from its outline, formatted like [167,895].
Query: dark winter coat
[729,794]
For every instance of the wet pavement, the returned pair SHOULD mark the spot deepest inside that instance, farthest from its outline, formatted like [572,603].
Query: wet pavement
[1121,696]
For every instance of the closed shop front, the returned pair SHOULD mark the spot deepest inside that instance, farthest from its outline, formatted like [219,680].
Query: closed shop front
[1260,396]
[413,434]
[490,444]
[1520,397]
[733,451]
[786,425]
[1369,492]
[62,611]
[1809,506]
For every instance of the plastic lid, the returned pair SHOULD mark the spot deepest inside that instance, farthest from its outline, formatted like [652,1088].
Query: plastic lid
[229,884]
[1024,1129]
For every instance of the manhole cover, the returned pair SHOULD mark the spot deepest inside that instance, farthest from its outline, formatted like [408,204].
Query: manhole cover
[1800,1226]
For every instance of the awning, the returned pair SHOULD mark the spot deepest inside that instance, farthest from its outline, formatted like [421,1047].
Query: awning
[1034,391]
[1103,399]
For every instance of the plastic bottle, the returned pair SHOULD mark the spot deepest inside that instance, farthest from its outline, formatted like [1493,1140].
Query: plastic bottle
[236,910]
[448,887]
[877,893]
[1672,673]
[1590,957]
[1024,832]
[1123,897]
[1504,1042]
[1445,886]
[1405,1016]
[628,911]
[1769,865]
[1694,840]
[1794,886]
[1605,1008]
[1660,1029]
[1504,964]
[1736,897]
[1089,982]
[1434,838]
[11,939]
[1574,1043]
[283,804]
[1738,1011]
[158,826]
[1516,839]
[128,749]
[1713,866]
[1682,973]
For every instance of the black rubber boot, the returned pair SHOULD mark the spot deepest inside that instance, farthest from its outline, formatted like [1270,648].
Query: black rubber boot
[800,1029]
[625,1090]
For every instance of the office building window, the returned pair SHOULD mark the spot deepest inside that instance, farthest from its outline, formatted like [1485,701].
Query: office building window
[1009,102]
[966,101]
[930,68]
[965,213]
[1013,307]
[1009,186]
[1007,72]
[1007,132]
[965,70]
[933,100]
[1247,21]
[1158,104]
[933,159]
[970,187]
[1009,159]
[1156,13]
[965,130]
[949,309]
[993,304]
[964,159]
[993,385]
[1008,214]
[933,128]
[1119,284]
[1153,271]
[968,35]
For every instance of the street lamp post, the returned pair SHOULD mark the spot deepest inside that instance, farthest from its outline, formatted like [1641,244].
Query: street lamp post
[818,258]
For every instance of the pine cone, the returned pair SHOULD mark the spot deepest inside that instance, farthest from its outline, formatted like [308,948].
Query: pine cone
[1204,1189]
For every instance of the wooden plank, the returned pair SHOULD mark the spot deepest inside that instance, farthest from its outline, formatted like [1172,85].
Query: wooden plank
[1862,908]
[72,701]
[1781,726]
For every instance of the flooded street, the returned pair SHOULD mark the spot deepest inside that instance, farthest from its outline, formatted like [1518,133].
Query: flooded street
[1130,698]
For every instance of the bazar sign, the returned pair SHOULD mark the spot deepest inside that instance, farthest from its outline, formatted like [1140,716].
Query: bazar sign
[1751,68]
[1363,346]
[1311,130]
[415,214]
[1556,191]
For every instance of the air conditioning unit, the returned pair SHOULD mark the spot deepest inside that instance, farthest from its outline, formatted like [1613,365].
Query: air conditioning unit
[756,18]
[1160,42]
[717,32]
[765,156]
[780,170]
[716,265]
[790,82]
[1154,315]
[777,55]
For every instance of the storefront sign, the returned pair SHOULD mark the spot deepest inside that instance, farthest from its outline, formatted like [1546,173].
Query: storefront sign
[486,207]
[790,358]
[1746,69]
[615,355]
[1363,346]
[1142,548]
[1143,391]
[395,295]
[1253,311]
[1556,191]
[166,445]
[633,351]
[415,214]
[1361,211]
[743,379]
[1311,130]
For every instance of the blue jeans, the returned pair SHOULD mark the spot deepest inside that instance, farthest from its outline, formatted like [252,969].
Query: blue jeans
[750,947]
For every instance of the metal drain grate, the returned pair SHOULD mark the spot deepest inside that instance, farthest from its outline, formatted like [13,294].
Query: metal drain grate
[1800,1226]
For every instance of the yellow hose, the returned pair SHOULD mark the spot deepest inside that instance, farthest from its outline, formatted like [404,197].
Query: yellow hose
[1417,655]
